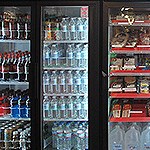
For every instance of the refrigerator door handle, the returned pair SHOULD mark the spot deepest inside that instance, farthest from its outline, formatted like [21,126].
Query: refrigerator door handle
[104,74]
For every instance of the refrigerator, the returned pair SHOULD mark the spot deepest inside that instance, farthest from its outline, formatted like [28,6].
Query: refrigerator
[126,75]
[49,75]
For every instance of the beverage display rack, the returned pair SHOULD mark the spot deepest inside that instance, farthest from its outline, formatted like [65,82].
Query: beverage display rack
[128,50]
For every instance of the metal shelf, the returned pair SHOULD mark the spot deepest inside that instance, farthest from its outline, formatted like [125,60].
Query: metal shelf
[48,119]
[65,41]
[63,68]
[130,119]
[15,41]
[14,83]
[129,95]
[65,94]
[130,73]
[129,50]
[9,118]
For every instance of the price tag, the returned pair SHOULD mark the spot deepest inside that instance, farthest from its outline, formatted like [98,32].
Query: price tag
[84,12]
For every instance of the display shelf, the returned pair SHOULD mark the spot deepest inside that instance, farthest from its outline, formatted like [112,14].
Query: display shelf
[125,22]
[129,95]
[130,119]
[63,68]
[15,41]
[65,94]
[10,118]
[130,73]
[133,50]
[48,119]
[65,41]
[14,83]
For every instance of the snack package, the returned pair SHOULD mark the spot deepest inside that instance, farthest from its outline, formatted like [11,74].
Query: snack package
[116,64]
[116,110]
[144,86]
[129,63]
[126,110]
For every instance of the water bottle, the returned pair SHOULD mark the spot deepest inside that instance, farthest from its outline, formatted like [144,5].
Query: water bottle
[132,139]
[54,135]
[69,56]
[53,83]
[69,107]
[145,138]
[79,29]
[80,138]
[69,82]
[46,81]
[46,56]
[84,56]
[77,107]
[64,29]
[54,55]
[46,107]
[61,108]
[77,82]
[84,107]
[86,137]
[67,137]
[84,82]
[85,28]
[53,108]
[117,138]
[72,29]
[77,56]
[61,82]
[60,137]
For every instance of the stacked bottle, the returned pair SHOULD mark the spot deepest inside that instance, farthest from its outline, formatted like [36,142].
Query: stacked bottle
[65,82]
[66,28]
[15,26]
[15,66]
[15,104]
[15,135]
[70,135]
[71,107]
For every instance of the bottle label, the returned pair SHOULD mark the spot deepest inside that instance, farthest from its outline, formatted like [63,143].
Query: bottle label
[85,81]
[78,82]
[80,27]
[78,106]
[62,107]
[132,147]
[68,135]
[46,106]
[70,106]
[54,106]
[62,82]
[64,28]
[46,81]
[47,55]
[81,134]
[78,55]
[54,81]
[117,147]
[146,145]
[55,55]
[70,81]
[70,55]
[72,28]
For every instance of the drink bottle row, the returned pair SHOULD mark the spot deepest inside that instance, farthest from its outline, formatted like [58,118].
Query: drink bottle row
[14,66]
[15,26]
[70,107]
[69,135]
[67,28]
[15,135]
[65,82]
[72,55]
[131,138]
[15,104]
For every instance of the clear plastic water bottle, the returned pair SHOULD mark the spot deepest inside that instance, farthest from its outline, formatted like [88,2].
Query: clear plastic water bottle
[80,138]
[54,135]
[69,107]
[80,29]
[64,29]
[67,137]
[46,82]
[84,107]
[46,107]
[145,138]
[60,137]
[77,56]
[85,28]
[84,82]
[69,56]
[69,82]
[54,55]
[46,56]
[53,83]
[53,107]
[61,82]
[132,139]
[117,138]
[72,29]
[77,82]
[77,107]
[74,129]
[84,56]
[61,108]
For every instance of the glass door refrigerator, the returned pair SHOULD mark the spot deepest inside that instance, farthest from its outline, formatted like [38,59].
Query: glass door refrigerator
[65,90]
[15,125]
[127,49]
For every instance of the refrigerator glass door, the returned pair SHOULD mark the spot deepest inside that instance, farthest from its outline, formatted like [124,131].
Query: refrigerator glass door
[129,78]
[14,77]
[65,77]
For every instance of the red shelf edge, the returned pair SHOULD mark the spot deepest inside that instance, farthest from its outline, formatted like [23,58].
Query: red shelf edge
[130,119]
[130,71]
[129,95]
